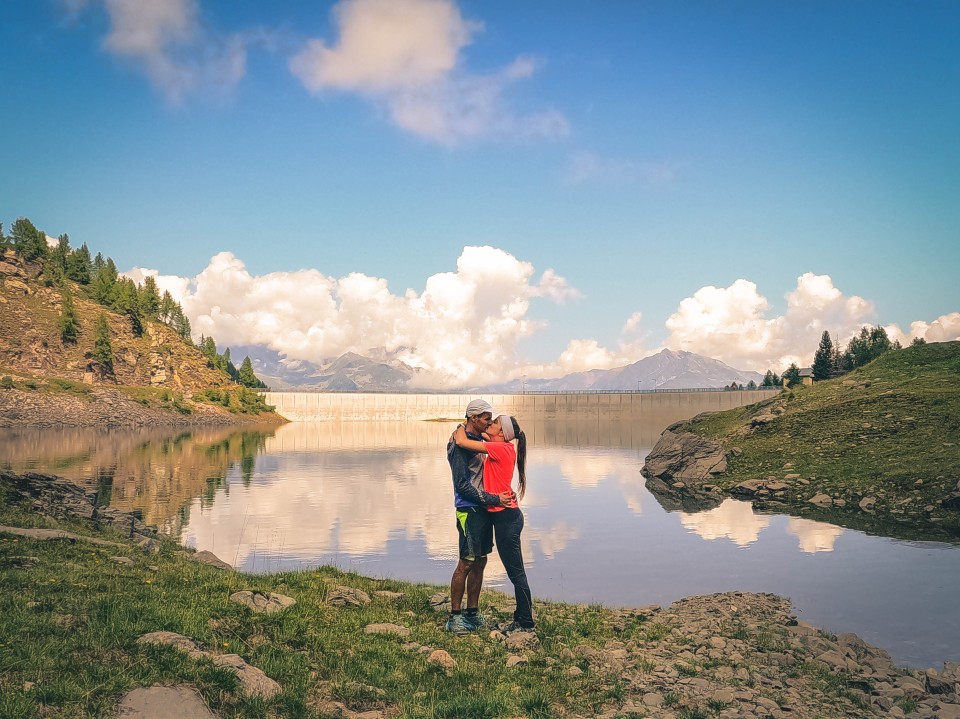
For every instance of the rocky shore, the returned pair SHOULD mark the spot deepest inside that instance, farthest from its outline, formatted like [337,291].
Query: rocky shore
[102,406]
[725,655]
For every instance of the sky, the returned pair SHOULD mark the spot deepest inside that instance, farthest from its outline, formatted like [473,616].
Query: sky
[489,190]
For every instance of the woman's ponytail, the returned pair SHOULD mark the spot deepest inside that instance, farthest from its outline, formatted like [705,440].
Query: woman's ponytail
[521,458]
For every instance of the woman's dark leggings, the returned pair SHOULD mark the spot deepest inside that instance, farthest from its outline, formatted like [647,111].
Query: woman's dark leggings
[507,526]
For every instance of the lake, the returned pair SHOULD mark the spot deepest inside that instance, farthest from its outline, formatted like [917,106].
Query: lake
[376,498]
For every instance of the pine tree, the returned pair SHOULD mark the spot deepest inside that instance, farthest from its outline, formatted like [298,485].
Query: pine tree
[247,377]
[767,379]
[69,322]
[791,376]
[127,302]
[918,341]
[79,265]
[751,385]
[150,298]
[105,282]
[823,358]
[102,349]
[60,253]
[29,242]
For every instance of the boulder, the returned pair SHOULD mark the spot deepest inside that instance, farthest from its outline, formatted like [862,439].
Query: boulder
[158,702]
[347,597]
[394,629]
[205,557]
[252,680]
[679,455]
[442,659]
[262,602]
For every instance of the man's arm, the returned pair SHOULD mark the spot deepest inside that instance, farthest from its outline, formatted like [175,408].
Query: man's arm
[465,488]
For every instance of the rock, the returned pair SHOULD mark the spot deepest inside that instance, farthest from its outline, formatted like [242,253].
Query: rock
[262,602]
[158,702]
[948,711]
[652,699]
[574,672]
[867,504]
[938,685]
[834,660]
[821,499]
[252,680]
[724,696]
[122,560]
[205,557]
[442,659]
[177,641]
[347,597]
[522,640]
[515,659]
[394,629]
[392,596]
[685,456]
[440,602]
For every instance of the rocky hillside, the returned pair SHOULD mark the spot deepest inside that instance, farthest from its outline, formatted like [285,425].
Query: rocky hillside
[877,449]
[56,382]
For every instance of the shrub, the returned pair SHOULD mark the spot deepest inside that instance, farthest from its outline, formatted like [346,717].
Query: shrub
[6,382]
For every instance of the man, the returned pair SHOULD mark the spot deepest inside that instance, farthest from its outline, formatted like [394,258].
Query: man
[473,523]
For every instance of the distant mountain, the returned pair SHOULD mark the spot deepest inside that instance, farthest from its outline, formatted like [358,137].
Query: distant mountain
[349,372]
[665,370]
[380,371]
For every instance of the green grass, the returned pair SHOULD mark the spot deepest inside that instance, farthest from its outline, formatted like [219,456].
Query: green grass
[72,617]
[889,430]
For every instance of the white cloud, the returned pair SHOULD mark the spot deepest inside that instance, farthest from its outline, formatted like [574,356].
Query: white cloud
[405,55]
[730,323]
[943,329]
[462,329]
[167,41]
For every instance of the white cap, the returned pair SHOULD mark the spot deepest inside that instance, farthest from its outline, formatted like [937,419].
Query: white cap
[479,406]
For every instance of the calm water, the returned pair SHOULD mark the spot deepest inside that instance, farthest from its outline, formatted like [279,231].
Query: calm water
[376,498]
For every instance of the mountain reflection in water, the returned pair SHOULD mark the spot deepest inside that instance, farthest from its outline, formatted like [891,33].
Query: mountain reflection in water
[376,497]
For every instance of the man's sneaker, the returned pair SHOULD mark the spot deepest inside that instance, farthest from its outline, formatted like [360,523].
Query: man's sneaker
[515,627]
[475,622]
[457,625]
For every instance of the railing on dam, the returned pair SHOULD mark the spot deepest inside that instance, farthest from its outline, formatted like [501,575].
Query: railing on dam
[611,406]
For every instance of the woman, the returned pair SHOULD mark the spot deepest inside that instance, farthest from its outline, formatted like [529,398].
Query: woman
[507,521]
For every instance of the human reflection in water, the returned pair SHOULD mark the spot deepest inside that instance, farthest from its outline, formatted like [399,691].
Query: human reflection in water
[498,470]
[474,524]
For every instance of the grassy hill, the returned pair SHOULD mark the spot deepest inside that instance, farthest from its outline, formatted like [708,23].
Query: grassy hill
[887,432]
[156,369]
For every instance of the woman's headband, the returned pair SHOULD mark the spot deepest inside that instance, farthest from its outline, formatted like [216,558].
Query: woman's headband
[506,424]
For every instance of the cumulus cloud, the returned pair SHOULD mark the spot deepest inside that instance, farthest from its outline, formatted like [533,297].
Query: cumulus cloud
[462,329]
[731,325]
[166,40]
[405,55]
[943,329]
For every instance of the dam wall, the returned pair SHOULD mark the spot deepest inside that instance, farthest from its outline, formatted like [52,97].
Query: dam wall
[607,406]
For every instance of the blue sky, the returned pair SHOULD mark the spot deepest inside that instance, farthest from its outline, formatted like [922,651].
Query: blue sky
[642,151]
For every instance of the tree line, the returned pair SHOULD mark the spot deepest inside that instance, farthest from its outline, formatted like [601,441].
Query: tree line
[831,361]
[100,281]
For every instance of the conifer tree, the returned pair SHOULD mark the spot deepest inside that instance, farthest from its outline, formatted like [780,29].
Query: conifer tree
[102,349]
[69,322]
[29,242]
[791,377]
[247,377]
[127,302]
[105,282]
[79,265]
[150,298]
[60,253]
[823,358]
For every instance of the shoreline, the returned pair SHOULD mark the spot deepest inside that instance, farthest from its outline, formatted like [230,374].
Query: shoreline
[730,654]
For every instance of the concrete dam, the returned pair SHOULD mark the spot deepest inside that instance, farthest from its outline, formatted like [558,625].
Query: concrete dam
[668,405]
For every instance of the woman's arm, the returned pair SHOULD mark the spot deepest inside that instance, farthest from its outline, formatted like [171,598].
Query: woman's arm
[460,437]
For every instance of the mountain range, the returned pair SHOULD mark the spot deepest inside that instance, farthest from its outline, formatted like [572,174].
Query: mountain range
[380,371]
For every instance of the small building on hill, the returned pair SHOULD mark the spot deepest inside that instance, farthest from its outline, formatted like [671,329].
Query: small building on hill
[806,376]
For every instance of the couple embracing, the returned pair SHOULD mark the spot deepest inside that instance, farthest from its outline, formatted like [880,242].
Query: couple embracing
[482,458]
